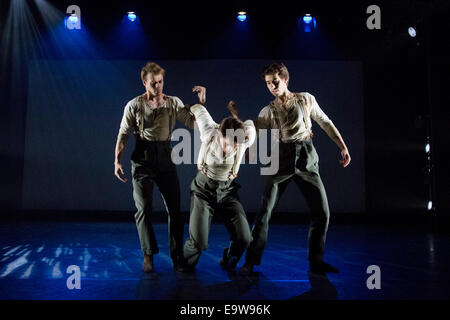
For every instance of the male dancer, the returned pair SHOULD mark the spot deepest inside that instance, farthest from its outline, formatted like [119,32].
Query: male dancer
[291,113]
[214,189]
[152,117]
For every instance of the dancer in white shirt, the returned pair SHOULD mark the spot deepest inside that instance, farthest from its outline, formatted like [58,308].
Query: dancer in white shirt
[214,190]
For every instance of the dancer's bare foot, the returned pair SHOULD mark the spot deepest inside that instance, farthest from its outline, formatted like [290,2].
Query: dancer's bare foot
[246,269]
[147,267]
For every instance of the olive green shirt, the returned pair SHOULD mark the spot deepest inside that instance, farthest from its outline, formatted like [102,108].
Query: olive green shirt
[153,124]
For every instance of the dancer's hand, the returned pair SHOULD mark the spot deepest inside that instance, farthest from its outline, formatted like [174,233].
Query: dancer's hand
[233,109]
[345,157]
[201,93]
[119,170]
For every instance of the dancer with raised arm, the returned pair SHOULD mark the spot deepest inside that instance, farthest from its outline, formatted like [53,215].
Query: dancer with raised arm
[151,117]
[214,189]
[291,114]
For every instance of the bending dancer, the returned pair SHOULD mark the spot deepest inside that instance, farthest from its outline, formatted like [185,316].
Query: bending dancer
[291,113]
[214,189]
[152,117]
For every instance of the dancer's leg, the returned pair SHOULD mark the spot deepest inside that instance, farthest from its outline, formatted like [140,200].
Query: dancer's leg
[199,225]
[169,187]
[274,186]
[142,195]
[237,225]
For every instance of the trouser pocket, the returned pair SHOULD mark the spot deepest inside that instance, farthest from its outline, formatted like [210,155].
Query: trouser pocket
[307,158]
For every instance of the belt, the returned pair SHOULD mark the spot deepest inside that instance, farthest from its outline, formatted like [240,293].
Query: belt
[151,142]
[216,182]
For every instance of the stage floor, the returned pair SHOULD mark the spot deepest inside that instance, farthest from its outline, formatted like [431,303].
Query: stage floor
[34,257]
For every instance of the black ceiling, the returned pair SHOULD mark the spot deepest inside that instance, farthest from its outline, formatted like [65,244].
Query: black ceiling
[193,26]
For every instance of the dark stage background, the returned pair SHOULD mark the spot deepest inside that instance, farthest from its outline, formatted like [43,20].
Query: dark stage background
[75,107]
[63,96]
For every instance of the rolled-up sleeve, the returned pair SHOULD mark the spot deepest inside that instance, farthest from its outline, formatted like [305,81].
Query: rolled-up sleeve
[128,122]
[205,123]
[250,133]
[264,120]
[321,118]
[183,114]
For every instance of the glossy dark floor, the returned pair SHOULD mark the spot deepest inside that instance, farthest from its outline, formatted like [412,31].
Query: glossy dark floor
[34,257]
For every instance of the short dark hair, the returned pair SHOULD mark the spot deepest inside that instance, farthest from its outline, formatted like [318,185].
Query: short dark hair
[233,124]
[274,68]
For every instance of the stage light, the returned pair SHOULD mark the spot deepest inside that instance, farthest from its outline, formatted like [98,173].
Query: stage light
[412,32]
[72,22]
[131,16]
[430,205]
[73,19]
[427,148]
[308,22]
[307,18]
[242,16]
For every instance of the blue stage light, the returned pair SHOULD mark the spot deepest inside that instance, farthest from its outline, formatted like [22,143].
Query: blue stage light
[308,22]
[412,32]
[73,19]
[131,16]
[242,16]
[72,22]
[307,18]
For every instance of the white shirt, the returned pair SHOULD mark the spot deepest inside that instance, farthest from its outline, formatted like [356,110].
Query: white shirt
[219,167]
[294,118]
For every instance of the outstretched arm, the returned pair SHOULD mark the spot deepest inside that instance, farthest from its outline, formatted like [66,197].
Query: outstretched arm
[201,93]
[345,160]
[327,125]
[233,109]
[249,127]
[118,168]
[183,111]
[126,125]
[205,123]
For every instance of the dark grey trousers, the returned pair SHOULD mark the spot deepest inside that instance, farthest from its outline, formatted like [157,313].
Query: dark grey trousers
[298,162]
[151,164]
[209,197]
